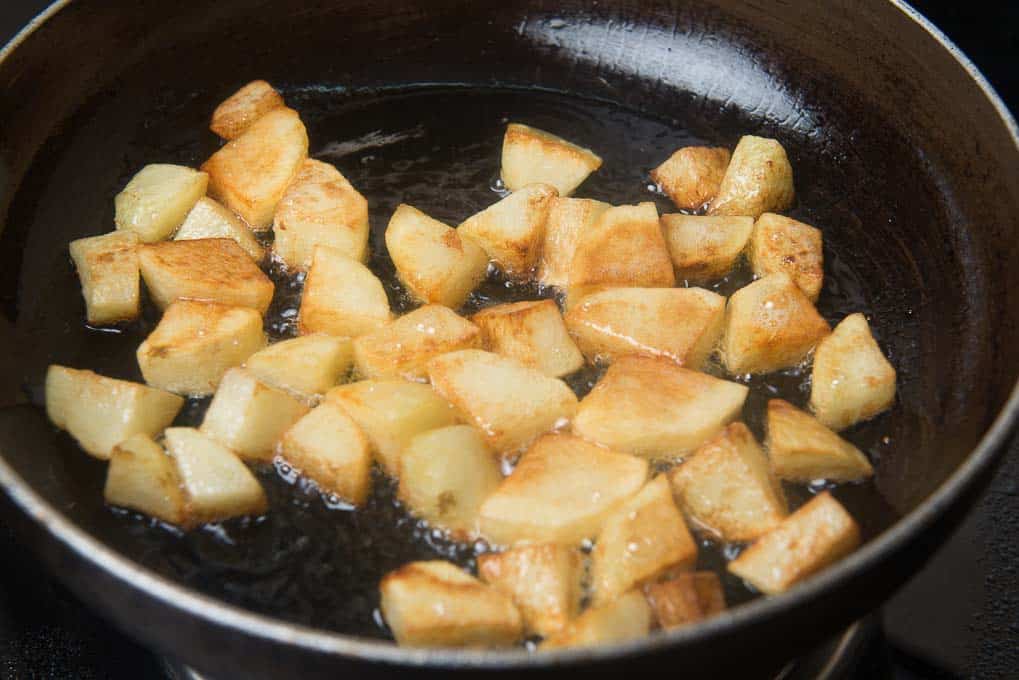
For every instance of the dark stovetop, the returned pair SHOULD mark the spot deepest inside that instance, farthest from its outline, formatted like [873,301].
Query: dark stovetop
[958,618]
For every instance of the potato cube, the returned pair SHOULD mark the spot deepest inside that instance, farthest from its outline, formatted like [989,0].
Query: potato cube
[544,581]
[101,412]
[628,617]
[250,174]
[691,176]
[391,413]
[530,155]
[728,489]
[445,476]
[642,539]
[435,604]
[218,485]
[142,477]
[686,598]
[531,332]
[248,416]
[623,249]
[307,366]
[108,270]
[209,219]
[562,491]
[195,343]
[704,248]
[157,199]
[403,348]
[211,269]
[568,220]
[327,446]
[852,380]
[342,297]
[653,408]
[781,244]
[759,179]
[801,449]
[770,325]
[434,261]
[510,403]
[815,536]
[512,230]
[238,111]
[681,324]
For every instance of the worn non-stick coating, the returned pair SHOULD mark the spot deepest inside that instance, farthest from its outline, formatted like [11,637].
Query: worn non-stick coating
[899,155]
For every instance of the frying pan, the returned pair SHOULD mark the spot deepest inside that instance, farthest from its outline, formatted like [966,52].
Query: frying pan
[903,155]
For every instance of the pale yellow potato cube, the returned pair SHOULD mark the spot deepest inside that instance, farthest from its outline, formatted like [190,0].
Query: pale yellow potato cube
[691,176]
[209,219]
[101,412]
[852,380]
[307,366]
[445,476]
[391,413]
[704,248]
[327,446]
[142,477]
[782,244]
[544,580]
[642,539]
[434,261]
[625,618]
[681,324]
[815,536]
[342,297]
[435,604]
[531,332]
[403,348]
[530,155]
[653,408]
[108,270]
[727,487]
[238,111]
[802,449]
[508,402]
[562,491]
[770,325]
[512,230]
[250,174]
[759,179]
[195,343]
[157,199]
[568,220]
[686,598]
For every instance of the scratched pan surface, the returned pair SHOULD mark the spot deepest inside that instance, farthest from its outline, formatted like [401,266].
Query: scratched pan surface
[899,158]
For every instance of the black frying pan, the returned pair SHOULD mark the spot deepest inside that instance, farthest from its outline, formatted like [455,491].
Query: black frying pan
[902,154]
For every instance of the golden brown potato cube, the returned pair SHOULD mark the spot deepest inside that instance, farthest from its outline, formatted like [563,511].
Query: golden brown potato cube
[508,402]
[157,199]
[782,244]
[142,477]
[852,380]
[759,179]
[195,343]
[445,476]
[568,220]
[208,219]
[770,325]
[327,446]
[434,261]
[815,536]
[681,324]
[628,617]
[544,581]
[691,176]
[704,248]
[244,107]
[108,270]
[307,366]
[623,249]
[530,155]
[685,598]
[250,174]
[391,413]
[341,297]
[653,408]
[435,604]
[727,487]
[531,332]
[512,230]
[403,348]
[101,412]
[562,491]
[642,539]
[801,449]
[210,269]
